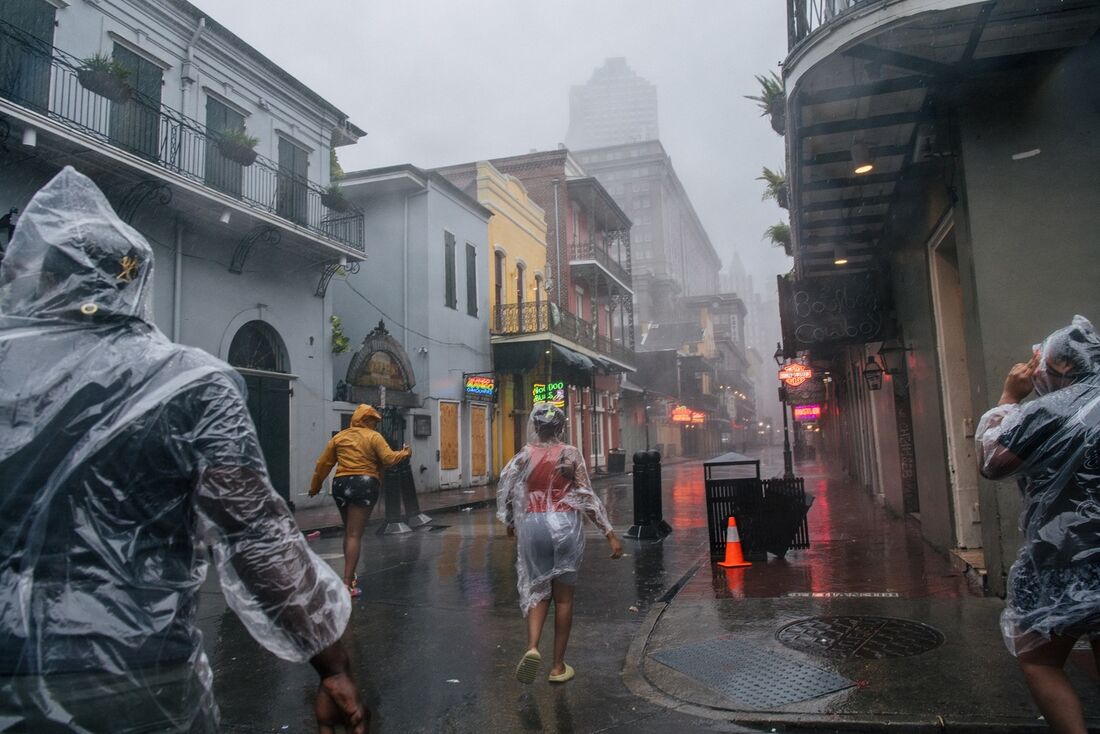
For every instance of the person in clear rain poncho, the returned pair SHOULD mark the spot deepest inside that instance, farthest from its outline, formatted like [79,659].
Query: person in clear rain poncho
[122,457]
[1051,445]
[543,495]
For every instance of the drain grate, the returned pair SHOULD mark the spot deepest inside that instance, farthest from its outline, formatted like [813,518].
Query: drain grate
[751,676]
[860,637]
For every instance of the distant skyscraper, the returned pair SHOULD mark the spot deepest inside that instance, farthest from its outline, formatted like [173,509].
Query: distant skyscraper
[616,106]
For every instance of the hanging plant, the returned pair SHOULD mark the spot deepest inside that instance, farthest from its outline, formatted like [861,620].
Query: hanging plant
[780,236]
[772,100]
[238,146]
[106,77]
[333,198]
[340,343]
[776,186]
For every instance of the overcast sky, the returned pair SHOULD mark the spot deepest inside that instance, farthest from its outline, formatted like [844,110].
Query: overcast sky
[435,82]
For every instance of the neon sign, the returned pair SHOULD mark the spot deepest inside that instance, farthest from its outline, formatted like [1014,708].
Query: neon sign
[553,392]
[795,373]
[480,387]
[697,417]
[681,414]
[807,412]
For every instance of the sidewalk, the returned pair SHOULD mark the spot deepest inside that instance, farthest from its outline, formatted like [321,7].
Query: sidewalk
[833,638]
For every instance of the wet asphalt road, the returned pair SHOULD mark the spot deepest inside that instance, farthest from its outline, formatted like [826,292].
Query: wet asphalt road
[437,633]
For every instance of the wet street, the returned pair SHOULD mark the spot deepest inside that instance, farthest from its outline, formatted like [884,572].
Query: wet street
[437,633]
[436,636]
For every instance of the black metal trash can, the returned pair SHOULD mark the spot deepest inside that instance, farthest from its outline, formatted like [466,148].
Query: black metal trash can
[649,520]
[616,461]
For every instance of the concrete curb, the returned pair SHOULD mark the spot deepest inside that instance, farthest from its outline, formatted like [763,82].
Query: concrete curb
[636,680]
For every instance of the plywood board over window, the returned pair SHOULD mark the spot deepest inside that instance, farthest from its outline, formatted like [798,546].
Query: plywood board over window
[448,436]
[478,444]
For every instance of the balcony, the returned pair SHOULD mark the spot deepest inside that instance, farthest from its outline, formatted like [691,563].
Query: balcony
[526,319]
[597,264]
[806,16]
[39,87]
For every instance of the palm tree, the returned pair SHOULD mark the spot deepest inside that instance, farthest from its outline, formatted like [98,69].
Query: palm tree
[780,236]
[776,186]
[773,100]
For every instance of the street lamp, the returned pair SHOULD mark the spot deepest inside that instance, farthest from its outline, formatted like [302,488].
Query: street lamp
[788,464]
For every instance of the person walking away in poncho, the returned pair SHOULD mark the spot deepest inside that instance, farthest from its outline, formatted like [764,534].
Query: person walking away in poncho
[359,453]
[1051,445]
[543,495]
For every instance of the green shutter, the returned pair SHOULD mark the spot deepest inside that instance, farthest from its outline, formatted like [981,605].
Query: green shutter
[449,296]
[471,279]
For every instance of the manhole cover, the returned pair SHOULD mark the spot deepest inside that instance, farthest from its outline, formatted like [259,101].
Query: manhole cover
[756,678]
[860,637]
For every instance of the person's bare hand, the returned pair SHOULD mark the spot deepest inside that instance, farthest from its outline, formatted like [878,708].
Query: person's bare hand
[339,690]
[313,492]
[1019,383]
[511,532]
[616,546]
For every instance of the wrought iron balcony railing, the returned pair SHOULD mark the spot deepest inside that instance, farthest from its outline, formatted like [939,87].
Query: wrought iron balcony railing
[44,79]
[513,319]
[806,16]
[603,256]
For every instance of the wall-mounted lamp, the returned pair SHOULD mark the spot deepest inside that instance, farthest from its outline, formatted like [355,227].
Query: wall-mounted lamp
[889,347]
[30,137]
[862,162]
[224,218]
[872,373]
[778,356]
[422,351]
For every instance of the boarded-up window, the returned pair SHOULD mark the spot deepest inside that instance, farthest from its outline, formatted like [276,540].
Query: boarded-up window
[450,298]
[471,279]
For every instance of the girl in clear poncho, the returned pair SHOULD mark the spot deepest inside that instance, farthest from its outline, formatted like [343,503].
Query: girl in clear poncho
[542,494]
[1052,446]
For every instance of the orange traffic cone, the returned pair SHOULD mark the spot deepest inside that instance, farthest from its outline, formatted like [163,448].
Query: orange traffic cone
[734,559]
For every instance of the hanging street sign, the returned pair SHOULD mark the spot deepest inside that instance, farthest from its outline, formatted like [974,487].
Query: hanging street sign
[794,374]
[480,387]
[807,412]
[681,414]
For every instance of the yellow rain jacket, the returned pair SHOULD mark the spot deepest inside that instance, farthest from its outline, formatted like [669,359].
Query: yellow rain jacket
[357,450]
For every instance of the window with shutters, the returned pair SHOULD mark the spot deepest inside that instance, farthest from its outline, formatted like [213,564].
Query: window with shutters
[293,201]
[135,124]
[25,52]
[471,279]
[450,297]
[222,173]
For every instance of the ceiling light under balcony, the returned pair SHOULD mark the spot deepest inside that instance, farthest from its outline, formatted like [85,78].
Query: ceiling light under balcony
[224,218]
[840,257]
[30,137]
[862,162]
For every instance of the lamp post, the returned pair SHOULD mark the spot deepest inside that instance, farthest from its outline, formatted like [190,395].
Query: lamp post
[788,465]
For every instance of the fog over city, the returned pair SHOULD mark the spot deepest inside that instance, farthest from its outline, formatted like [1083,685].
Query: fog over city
[436,82]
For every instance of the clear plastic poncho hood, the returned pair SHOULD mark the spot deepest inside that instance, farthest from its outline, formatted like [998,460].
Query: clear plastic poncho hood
[1052,446]
[544,493]
[122,456]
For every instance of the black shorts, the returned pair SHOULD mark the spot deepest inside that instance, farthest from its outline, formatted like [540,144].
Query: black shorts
[360,490]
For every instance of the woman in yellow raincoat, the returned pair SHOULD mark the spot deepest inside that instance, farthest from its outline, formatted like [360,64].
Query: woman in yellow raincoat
[359,454]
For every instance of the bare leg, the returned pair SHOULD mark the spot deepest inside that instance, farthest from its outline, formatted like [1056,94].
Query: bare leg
[1050,687]
[563,624]
[355,521]
[536,618]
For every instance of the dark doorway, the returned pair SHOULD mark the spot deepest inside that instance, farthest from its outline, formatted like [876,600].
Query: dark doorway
[258,347]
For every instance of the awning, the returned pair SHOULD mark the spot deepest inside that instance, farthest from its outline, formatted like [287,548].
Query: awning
[576,360]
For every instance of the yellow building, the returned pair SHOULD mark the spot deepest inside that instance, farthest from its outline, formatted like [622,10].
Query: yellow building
[517,283]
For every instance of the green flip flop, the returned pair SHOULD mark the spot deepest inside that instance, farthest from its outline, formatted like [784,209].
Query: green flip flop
[565,675]
[528,667]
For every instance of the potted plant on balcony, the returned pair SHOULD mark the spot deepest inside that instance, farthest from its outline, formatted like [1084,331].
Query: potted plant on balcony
[773,100]
[333,198]
[776,186]
[238,146]
[780,236]
[106,77]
